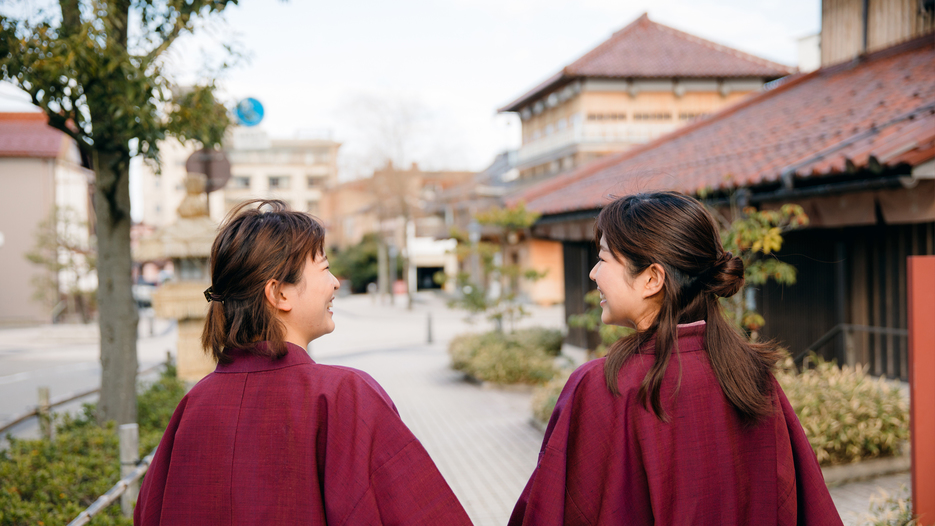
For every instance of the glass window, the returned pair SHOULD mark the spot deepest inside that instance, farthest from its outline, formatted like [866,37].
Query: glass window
[279,182]
[240,181]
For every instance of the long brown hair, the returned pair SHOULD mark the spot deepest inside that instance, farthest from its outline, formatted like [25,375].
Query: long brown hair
[259,240]
[678,233]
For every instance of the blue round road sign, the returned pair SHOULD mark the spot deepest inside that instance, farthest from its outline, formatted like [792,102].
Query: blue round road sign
[249,112]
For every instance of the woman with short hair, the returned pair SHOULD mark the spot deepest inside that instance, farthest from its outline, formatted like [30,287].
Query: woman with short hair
[683,422]
[271,437]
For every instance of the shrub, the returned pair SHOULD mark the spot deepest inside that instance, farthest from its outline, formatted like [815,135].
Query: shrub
[549,340]
[524,357]
[887,510]
[545,396]
[51,482]
[847,415]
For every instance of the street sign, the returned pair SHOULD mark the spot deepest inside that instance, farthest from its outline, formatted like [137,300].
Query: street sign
[212,163]
[249,112]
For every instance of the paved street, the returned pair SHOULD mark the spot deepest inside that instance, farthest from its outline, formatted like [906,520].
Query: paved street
[480,438]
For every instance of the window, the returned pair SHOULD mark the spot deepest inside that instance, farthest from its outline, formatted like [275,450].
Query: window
[240,182]
[607,116]
[312,181]
[660,116]
[312,207]
[279,182]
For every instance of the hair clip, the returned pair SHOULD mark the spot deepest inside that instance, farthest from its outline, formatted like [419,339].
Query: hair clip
[211,296]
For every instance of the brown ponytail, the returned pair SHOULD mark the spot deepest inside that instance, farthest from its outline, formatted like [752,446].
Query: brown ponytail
[259,240]
[678,233]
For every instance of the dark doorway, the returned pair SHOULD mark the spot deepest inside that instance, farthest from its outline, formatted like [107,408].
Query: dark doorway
[425,278]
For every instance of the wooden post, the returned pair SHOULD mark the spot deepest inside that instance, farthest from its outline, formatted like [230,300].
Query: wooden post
[428,321]
[43,412]
[129,457]
[921,291]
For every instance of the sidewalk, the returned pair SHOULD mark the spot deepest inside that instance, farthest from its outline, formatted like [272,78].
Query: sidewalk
[480,438]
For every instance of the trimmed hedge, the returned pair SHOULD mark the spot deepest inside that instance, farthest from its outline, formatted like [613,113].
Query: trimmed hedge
[526,356]
[847,415]
[45,482]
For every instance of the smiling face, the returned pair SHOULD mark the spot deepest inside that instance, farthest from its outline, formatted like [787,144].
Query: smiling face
[629,301]
[306,307]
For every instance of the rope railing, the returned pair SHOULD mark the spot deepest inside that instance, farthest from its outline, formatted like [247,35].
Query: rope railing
[114,493]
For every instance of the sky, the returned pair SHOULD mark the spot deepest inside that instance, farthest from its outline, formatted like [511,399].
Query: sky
[313,65]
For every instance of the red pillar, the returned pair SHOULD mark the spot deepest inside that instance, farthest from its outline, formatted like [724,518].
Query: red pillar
[921,288]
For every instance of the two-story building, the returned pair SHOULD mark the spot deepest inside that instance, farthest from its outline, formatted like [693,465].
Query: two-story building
[643,82]
[646,80]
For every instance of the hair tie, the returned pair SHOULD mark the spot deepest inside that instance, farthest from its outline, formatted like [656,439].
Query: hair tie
[211,296]
[698,281]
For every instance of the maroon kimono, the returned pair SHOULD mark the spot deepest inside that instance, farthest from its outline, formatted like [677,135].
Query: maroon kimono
[289,441]
[609,460]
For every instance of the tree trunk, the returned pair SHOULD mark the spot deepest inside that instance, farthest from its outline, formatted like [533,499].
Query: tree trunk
[118,315]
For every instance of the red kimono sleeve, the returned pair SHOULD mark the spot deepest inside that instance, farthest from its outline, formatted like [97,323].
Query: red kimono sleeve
[377,459]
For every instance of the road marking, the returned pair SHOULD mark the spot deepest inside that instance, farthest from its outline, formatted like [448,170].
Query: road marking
[26,375]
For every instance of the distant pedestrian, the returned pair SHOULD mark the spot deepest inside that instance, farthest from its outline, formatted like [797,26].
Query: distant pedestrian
[271,437]
[683,422]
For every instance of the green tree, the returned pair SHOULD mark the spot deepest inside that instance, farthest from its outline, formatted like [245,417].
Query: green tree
[755,236]
[108,91]
[359,263]
[509,222]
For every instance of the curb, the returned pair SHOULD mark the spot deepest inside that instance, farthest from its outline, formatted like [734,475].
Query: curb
[866,469]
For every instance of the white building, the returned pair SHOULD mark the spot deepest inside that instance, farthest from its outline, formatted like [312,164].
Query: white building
[294,170]
[40,171]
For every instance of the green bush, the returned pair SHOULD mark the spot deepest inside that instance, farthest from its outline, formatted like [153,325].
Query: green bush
[50,482]
[847,415]
[523,357]
[549,340]
[546,395]
[887,510]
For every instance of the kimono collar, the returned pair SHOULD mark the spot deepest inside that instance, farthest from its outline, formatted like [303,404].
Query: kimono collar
[247,362]
[691,338]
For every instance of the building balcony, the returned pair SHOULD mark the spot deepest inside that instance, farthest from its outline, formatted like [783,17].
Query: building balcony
[590,136]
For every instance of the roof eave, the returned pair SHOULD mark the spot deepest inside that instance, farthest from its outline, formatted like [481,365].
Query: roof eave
[534,93]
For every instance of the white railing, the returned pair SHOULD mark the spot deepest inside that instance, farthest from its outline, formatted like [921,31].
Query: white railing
[595,132]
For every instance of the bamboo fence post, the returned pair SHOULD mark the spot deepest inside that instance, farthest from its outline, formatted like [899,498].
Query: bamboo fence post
[43,412]
[129,458]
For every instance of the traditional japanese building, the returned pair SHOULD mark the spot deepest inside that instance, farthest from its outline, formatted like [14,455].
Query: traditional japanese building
[853,143]
[646,80]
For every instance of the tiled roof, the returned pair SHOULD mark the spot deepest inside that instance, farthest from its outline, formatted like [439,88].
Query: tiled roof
[646,49]
[879,112]
[29,135]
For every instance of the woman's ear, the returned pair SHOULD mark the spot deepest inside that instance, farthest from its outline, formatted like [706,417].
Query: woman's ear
[655,277]
[275,297]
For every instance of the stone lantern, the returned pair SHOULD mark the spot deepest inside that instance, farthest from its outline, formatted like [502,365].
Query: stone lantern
[187,242]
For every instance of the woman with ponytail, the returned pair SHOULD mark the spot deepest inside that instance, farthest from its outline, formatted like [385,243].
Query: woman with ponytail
[682,422]
[271,437]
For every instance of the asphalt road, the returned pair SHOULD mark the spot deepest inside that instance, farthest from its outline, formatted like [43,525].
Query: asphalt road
[66,359]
